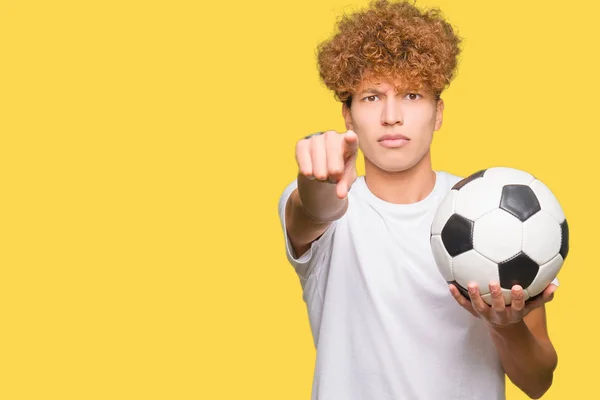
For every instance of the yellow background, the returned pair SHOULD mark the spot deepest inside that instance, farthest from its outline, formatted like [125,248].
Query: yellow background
[144,146]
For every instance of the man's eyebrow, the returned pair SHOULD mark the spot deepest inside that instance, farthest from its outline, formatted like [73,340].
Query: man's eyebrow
[370,90]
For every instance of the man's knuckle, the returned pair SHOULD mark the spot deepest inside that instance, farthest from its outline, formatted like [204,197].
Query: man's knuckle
[335,170]
[320,175]
[304,170]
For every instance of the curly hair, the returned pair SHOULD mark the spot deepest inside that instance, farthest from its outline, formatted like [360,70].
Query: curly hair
[389,41]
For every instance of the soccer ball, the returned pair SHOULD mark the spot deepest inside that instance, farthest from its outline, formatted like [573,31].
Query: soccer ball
[500,224]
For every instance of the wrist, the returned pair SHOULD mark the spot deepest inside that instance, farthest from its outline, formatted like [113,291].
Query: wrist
[318,200]
[508,329]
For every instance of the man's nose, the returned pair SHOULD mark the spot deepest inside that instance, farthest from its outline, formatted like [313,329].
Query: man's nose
[392,112]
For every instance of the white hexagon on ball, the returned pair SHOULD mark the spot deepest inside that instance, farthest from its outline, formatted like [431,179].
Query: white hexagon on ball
[508,176]
[473,267]
[477,198]
[548,202]
[498,235]
[541,237]
[546,274]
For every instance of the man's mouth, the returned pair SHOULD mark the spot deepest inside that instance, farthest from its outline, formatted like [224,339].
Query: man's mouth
[393,137]
[393,140]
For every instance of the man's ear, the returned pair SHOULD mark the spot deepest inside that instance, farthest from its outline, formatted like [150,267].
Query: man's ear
[439,114]
[347,117]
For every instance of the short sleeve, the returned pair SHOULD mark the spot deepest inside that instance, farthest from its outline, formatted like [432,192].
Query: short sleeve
[305,263]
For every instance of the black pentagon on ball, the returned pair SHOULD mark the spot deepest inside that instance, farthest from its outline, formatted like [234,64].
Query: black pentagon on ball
[520,201]
[564,245]
[472,177]
[457,235]
[518,270]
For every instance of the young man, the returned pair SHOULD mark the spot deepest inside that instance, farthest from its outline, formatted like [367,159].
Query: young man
[385,323]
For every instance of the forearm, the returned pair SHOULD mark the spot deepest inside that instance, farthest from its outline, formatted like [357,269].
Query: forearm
[310,210]
[318,200]
[529,362]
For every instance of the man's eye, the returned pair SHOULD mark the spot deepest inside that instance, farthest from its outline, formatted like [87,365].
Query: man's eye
[412,96]
[370,99]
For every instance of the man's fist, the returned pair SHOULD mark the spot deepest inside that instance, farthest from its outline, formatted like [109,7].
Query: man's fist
[329,157]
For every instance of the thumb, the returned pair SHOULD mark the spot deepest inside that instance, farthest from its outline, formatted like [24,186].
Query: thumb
[344,184]
[350,144]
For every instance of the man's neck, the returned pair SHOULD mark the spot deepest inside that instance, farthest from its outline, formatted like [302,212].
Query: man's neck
[404,187]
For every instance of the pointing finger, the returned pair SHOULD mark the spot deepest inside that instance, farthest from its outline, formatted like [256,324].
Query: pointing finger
[350,144]
[348,178]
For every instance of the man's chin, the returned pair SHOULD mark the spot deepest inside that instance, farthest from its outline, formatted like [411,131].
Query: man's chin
[393,166]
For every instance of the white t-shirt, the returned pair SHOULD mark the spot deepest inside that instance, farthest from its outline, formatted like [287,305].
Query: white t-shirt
[384,323]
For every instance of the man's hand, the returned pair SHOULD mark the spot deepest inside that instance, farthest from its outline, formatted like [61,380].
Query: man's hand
[330,157]
[327,170]
[498,314]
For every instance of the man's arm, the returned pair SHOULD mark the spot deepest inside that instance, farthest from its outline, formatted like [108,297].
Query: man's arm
[327,165]
[526,352]
[304,228]
[519,333]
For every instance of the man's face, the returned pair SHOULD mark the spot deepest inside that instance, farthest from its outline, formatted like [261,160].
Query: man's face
[394,127]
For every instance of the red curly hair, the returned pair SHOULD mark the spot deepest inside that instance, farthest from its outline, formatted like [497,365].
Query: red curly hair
[390,41]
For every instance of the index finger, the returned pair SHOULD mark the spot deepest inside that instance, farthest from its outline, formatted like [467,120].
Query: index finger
[350,144]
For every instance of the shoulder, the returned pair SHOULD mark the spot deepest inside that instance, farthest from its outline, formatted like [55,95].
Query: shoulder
[447,179]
